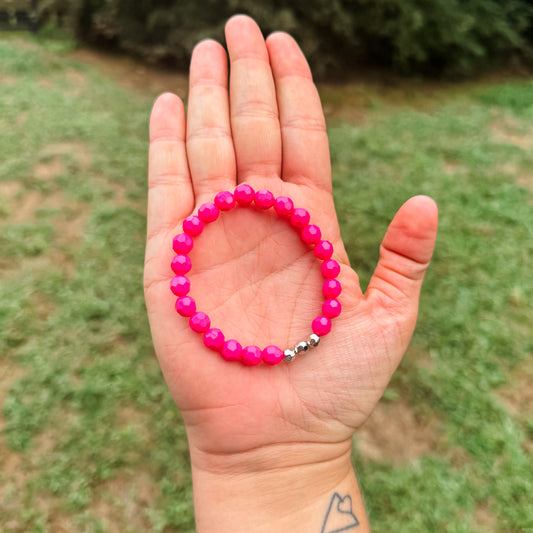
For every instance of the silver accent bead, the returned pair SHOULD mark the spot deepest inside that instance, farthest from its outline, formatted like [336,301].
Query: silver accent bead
[289,355]
[313,340]
[301,347]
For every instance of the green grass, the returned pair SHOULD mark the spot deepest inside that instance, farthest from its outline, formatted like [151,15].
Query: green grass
[91,415]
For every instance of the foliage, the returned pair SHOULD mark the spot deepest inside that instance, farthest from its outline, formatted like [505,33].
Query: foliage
[437,37]
[95,437]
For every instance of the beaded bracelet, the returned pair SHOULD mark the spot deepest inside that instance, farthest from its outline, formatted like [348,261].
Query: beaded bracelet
[180,285]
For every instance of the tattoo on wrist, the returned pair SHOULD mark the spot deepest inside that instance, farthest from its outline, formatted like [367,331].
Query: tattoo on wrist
[339,516]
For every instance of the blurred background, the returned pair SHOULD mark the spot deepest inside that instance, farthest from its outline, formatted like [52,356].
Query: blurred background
[421,97]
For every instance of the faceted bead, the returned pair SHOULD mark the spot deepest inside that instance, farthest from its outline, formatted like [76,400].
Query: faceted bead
[185,306]
[208,212]
[330,268]
[283,206]
[182,243]
[251,356]
[181,264]
[331,308]
[180,285]
[264,199]
[311,234]
[225,201]
[272,355]
[289,355]
[231,351]
[301,347]
[214,339]
[313,340]
[199,322]
[244,194]
[321,325]
[323,250]
[331,288]
[193,225]
[300,218]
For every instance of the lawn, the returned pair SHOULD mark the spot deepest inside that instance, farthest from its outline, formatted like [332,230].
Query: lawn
[90,440]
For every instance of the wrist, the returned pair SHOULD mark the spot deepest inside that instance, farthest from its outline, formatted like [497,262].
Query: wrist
[285,487]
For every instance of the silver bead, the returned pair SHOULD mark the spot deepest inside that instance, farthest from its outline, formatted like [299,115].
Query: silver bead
[301,347]
[313,340]
[289,355]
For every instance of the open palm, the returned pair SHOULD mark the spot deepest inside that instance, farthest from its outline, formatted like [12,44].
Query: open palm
[251,274]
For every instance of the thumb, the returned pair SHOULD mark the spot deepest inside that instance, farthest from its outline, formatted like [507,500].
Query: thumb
[405,254]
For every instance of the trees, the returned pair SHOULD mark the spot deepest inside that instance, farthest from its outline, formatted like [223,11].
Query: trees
[437,37]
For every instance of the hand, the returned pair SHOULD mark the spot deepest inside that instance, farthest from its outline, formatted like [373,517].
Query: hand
[253,276]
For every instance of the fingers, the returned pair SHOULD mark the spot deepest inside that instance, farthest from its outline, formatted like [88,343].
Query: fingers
[404,257]
[254,111]
[209,140]
[303,128]
[170,194]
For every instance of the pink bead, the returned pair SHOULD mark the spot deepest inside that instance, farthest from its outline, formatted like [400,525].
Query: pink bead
[331,288]
[272,355]
[181,264]
[225,201]
[193,226]
[231,351]
[251,356]
[180,285]
[300,218]
[330,268]
[199,322]
[208,212]
[283,206]
[331,308]
[321,325]
[311,234]
[323,250]
[244,194]
[214,339]
[182,243]
[185,306]
[264,199]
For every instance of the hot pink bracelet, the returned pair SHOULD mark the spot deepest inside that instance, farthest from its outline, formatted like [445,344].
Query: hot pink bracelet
[214,339]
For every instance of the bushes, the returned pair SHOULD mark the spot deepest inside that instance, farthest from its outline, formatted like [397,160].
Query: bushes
[437,37]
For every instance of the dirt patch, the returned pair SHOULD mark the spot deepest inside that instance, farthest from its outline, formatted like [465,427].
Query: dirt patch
[525,180]
[9,189]
[12,468]
[22,118]
[50,169]
[76,77]
[125,500]
[8,81]
[132,74]
[9,373]
[68,220]
[517,397]
[129,416]
[453,167]
[484,520]
[52,159]
[510,130]
[44,82]
[517,394]
[394,434]
[523,177]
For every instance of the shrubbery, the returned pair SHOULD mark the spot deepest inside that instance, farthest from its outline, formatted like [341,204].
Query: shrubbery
[438,37]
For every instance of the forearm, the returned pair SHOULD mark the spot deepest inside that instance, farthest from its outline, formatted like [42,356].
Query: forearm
[321,496]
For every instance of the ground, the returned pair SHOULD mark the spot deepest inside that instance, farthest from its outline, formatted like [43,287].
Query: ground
[89,438]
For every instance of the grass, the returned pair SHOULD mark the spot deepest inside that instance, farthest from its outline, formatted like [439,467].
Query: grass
[91,439]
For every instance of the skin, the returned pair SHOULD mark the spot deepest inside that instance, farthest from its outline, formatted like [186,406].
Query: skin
[284,430]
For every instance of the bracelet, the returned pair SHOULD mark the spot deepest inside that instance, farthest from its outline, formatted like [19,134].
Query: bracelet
[298,218]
